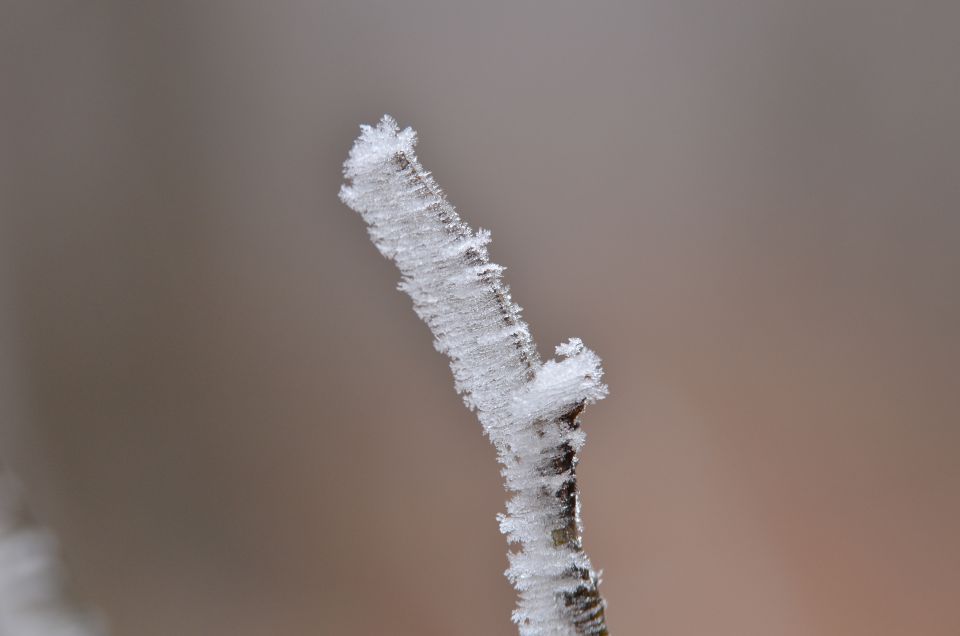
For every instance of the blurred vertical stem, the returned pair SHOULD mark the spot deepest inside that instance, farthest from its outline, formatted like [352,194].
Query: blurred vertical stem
[34,596]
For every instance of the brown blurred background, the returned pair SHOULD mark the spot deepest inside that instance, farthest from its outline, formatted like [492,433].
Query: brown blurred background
[238,426]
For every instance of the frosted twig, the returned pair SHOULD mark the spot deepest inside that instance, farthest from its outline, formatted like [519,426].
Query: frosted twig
[528,409]
[33,597]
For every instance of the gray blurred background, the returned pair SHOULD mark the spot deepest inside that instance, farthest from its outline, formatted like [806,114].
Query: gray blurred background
[237,426]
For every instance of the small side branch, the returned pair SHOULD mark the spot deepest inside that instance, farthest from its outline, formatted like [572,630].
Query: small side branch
[528,408]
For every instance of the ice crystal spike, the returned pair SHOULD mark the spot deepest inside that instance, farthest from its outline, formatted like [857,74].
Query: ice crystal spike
[529,409]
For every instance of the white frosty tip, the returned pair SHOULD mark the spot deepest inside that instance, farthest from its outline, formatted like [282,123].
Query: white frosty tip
[377,145]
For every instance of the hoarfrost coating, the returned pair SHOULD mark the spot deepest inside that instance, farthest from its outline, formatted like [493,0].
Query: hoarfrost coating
[33,601]
[528,408]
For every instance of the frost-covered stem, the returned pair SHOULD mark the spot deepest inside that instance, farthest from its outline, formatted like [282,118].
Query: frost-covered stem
[529,409]
[34,600]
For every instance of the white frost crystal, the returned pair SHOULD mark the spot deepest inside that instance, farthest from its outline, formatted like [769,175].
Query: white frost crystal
[527,408]
[32,600]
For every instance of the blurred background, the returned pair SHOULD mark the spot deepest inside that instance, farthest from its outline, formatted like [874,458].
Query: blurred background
[236,425]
